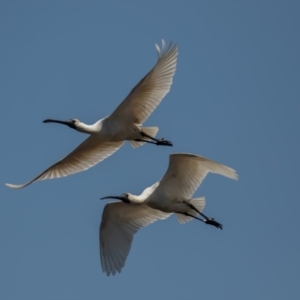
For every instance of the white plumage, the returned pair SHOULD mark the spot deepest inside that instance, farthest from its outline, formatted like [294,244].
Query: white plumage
[108,134]
[172,194]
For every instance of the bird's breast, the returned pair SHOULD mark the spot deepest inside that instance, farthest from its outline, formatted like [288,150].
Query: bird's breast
[162,205]
[167,204]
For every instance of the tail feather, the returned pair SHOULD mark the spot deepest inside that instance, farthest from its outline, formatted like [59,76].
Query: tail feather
[152,131]
[199,203]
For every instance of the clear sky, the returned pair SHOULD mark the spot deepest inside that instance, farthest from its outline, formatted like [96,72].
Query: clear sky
[234,99]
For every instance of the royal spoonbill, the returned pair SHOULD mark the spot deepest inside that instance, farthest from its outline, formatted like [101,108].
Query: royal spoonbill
[125,123]
[172,194]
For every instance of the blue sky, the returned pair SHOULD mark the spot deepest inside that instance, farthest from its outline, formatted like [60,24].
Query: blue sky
[234,99]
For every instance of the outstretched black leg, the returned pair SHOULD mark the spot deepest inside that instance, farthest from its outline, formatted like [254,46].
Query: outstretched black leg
[158,142]
[150,142]
[189,215]
[207,220]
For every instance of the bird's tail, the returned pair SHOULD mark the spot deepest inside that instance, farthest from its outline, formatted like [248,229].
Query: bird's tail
[199,203]
[152,131]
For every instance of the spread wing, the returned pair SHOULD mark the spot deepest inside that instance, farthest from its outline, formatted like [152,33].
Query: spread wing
[120,221]
[86,155]
[186,172]
[148,93]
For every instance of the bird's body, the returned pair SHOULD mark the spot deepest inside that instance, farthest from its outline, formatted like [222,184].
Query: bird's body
[125,123]
[156,198]
[172,194]
[113,130]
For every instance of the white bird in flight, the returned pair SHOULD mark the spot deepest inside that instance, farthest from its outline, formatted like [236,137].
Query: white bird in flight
[108,134]
[172,194]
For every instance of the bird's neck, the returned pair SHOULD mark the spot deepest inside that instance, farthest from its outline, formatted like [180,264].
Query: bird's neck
[137,199]
[85,128]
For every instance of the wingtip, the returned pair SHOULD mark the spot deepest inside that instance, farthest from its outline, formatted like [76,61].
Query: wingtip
[9,185]
[157,49]
[236,176]
[232,174]
[163,46]
[222,169]
[13,186]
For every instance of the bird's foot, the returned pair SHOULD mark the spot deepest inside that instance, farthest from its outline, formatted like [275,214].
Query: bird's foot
[163,142]
[211,221]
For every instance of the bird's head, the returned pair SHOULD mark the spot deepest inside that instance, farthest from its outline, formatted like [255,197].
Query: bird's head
[75,124]
[124,197]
